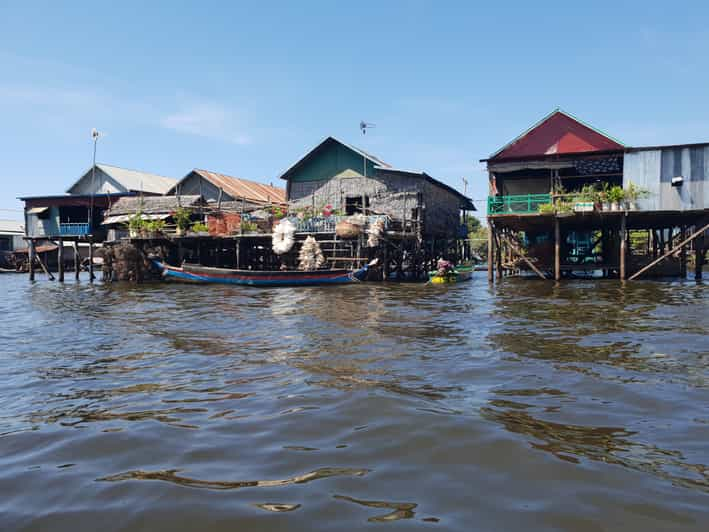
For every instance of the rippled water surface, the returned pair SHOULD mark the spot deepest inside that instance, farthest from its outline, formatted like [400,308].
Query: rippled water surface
[582,406]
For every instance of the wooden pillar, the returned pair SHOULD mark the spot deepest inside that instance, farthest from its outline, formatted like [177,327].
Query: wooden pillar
[30,257]
[621,235]
[77,260]
[498,247]
[683,253]
[557,249]
[91,260]
[60,260]
[698,258]
[385,266]
[490,252]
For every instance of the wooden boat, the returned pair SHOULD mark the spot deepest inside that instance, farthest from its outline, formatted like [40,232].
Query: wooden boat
[194,273]
[459,274]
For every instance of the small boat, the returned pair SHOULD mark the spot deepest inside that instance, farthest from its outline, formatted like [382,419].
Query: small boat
[458,274]
[194,273]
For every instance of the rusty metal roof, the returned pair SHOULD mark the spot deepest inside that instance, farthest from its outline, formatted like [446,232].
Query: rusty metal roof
[239,188]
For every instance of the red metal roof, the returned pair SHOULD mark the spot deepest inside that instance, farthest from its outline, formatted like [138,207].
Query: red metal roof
[557,133]
[243,188]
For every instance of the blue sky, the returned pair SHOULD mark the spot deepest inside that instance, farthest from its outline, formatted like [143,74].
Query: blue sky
[247,88]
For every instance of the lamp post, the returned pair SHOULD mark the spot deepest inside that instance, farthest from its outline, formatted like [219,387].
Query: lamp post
[363,127]
[94,135]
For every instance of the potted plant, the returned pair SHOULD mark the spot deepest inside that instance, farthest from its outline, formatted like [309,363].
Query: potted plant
[632,194]
[200,228]
[182,220]
[136,224]
[584,200]
[248,227]
[155,228]
[564,208]
[546,208]
[616,194]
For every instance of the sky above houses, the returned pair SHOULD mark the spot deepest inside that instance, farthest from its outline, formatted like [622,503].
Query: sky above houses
[246,89]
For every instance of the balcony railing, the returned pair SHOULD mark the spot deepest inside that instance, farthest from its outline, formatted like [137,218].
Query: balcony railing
[519,204]
[72,229]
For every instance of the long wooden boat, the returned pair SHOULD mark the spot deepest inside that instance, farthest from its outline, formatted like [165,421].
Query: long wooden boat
[194,273]
[458,275]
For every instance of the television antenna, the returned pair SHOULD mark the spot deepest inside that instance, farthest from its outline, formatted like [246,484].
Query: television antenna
[363,126]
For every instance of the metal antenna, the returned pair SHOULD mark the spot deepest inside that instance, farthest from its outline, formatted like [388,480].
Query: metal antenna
[465,186]
[364,125]
[94,135]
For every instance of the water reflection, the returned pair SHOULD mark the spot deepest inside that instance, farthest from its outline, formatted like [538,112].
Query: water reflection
[399,510]
[170,475]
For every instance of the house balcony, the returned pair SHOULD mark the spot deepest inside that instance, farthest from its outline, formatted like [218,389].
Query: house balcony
[517,204]
[74,229]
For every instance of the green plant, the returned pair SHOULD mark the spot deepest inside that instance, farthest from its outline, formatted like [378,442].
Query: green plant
[546,208]
[136,222]
[155,226]
[616,194]
[199,227]
[634,192]
[182,218]
[564,207]
[248,227]
[587,193]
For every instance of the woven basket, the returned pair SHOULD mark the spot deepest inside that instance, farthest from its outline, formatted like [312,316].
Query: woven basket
[346,229]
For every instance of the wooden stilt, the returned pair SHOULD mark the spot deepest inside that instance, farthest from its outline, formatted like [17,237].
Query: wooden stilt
[77,260]
[60,260]
[683,253]
[670,252]
[91,260]
[557,250]
[498,255]
[698,260]
[490,252]
[31,257]
[44,267]
[622,238]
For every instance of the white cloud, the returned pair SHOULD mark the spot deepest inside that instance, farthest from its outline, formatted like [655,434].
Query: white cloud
[207,119]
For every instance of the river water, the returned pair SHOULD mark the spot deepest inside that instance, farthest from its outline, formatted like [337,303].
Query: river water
[580,406]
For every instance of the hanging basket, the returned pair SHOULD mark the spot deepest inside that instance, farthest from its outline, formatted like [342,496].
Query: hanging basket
[347,230]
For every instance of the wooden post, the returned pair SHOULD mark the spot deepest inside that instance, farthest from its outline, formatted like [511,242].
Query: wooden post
[77,260]
[490,252]
[60,260]
[91,260]
[698,259]
[385,266]
[557,249]
[683,253]
[671,251]
[30,257]
[498,255]
[621,235]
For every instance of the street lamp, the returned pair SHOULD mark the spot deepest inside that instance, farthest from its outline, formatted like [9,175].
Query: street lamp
[94,135]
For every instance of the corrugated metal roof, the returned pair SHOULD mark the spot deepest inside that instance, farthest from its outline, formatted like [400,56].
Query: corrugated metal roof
[133,180]
[243,188]
[11,226]
[151,204]
[557,133]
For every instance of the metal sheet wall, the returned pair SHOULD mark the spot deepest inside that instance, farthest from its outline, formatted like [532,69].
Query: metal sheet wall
[654,170]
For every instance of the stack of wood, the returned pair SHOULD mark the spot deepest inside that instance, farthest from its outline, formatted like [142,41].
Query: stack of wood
[127,262]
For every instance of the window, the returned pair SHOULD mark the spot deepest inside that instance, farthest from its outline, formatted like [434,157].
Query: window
[5,243]
[353,204]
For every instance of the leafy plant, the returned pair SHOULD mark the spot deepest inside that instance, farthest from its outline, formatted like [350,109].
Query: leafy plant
[199,227]
[136,222]
[182,218]
[546,208]
[155,226]
[248,227]
[588,193]
[634,192]
[616,194]
[564,207]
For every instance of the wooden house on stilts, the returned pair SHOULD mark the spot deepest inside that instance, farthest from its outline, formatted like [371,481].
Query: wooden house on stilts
[567,199]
